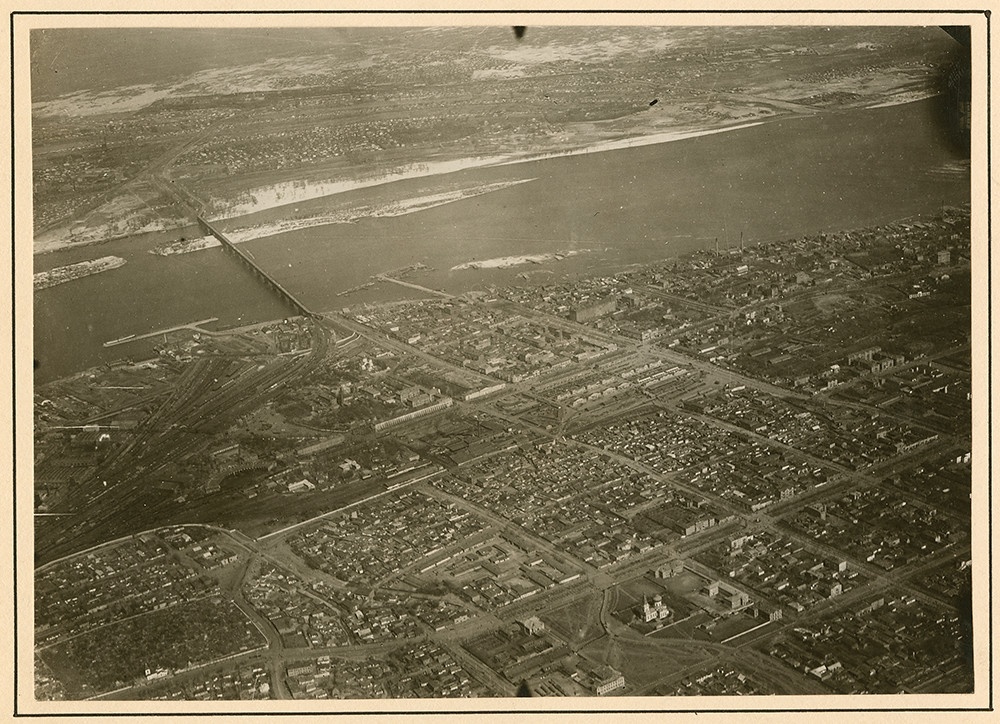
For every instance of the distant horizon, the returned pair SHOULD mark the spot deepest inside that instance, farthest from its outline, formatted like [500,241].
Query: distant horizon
[78,63]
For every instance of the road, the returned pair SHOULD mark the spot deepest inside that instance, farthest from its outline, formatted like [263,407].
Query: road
[275,647]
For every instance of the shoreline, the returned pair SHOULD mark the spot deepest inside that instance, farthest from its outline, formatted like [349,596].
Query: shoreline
[308,191]
[334,311]
[294,192]
[402,207]
[508,262]
[72,272]
[904,98]
[288,193]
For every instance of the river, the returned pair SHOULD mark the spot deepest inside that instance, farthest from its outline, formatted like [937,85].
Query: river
[785,178]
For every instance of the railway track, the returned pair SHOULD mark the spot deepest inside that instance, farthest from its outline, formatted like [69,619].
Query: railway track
[120,497]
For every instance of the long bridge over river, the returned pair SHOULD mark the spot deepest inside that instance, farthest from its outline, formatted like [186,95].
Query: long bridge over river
[270,281]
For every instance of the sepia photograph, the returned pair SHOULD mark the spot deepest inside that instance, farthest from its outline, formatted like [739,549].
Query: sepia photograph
[449,363]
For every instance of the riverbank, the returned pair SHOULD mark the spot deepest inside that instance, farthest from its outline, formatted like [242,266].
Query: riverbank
[289,193]
[506,262]
[770,182]
[278,195]
[348,215]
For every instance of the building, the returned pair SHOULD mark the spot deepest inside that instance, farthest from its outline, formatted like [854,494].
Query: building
[594,311]
[410,393]
[773,613]
[669,570]
[607,680]
[303,670]
[863,355]
[737,541]
[300,486]
[385,424]
[532,625]
[655,611]
[421,400]
[728,598]
[875,360]
[600,679]
[227,453]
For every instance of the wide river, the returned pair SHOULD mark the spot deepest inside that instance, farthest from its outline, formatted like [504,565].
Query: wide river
[777,180]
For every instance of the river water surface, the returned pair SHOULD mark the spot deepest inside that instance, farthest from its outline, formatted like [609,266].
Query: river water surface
[781,179]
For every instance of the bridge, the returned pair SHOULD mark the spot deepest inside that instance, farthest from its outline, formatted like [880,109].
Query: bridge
[270,281]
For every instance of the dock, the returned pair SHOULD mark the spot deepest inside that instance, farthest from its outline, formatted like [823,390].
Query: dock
[411,285]
[195,326]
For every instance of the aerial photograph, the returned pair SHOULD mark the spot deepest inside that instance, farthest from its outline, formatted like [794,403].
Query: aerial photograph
[481,361]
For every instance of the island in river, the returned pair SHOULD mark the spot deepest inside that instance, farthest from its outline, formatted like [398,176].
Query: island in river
[63,274]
